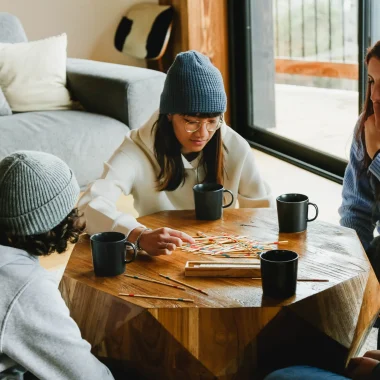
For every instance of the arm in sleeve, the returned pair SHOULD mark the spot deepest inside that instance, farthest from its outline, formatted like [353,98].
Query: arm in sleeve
[40,335]
[253,191]
[98,203]
[357,197]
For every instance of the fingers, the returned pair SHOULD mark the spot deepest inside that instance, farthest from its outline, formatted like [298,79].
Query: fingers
[374,354]
[183,236]
[361,367]
[353,366]
[167,245]
[353,363]
[164,241]
[174,240]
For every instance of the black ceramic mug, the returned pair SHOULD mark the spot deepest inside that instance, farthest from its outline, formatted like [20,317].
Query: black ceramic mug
[292,212]
[279,273]
[208,199]
[109,251]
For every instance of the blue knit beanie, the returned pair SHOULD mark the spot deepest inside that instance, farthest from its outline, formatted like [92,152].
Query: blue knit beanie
[193,85]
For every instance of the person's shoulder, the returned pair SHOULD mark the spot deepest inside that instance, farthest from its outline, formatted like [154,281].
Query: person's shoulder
[129,147]
[138,141]
[43,282]
[234,140]
[18,270]
[14,257]
[41,290]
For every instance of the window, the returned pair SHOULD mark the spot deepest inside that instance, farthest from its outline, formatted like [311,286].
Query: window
[296,76]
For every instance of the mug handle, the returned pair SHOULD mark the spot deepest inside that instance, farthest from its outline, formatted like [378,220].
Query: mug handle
[134,252]
[316,211]
[232,198]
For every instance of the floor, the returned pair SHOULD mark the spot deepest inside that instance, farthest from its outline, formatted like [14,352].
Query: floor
[317,117]
[286,178]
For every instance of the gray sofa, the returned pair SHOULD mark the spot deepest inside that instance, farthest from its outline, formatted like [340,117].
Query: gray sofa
[116,98]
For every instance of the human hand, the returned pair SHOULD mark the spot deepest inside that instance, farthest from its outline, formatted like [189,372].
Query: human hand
[374,354]
[372,135]
[362,368]
[163,241]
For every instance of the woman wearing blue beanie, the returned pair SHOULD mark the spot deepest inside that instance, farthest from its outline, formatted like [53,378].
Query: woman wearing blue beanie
[160,162]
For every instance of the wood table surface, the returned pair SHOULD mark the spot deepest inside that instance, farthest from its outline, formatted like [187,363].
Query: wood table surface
[234,332]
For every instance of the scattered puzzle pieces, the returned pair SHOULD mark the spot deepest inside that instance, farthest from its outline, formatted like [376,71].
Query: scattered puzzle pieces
[228,246]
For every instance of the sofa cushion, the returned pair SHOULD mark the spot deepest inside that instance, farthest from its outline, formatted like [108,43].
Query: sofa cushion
[5,110]
[11,29]
[83,140]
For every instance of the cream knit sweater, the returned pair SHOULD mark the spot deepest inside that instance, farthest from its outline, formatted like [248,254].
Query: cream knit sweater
[133,170]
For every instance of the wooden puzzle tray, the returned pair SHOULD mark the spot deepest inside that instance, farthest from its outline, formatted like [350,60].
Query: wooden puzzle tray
[222,269]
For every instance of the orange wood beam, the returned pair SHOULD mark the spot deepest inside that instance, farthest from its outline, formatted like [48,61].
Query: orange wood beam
[318,69]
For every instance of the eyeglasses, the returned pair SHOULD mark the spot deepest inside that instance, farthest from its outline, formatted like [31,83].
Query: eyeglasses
[192,126]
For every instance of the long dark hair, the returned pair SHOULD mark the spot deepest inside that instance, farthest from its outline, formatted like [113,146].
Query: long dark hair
[367,111]
[167,150]
[52,241]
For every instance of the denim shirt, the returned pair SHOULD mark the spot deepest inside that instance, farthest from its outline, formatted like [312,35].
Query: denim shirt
[359,209]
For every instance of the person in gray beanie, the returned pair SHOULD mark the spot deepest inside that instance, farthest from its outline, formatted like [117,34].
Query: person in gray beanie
[187,142]
[38,194]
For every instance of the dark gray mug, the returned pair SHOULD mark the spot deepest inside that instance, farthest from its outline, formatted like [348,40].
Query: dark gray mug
[208,199]
[292,212]
[279,273]
[109,250]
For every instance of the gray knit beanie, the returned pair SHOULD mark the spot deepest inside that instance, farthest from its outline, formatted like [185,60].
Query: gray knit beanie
[193,85]
[37,191]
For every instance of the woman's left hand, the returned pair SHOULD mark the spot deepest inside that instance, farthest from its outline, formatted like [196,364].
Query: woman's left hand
[372,135]
[361,368]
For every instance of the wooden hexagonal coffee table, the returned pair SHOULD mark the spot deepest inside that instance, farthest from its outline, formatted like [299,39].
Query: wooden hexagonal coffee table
[234,332]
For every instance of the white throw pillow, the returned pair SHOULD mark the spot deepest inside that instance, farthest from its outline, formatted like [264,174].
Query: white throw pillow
[33,74]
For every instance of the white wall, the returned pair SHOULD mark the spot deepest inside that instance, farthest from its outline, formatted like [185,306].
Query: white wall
[90,24]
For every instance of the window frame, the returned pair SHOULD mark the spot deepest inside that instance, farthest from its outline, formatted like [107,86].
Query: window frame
[242,112]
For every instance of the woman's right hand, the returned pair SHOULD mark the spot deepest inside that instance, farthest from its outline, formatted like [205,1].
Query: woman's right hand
[372,135]
[161,241]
